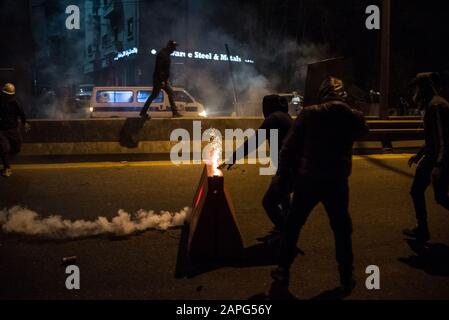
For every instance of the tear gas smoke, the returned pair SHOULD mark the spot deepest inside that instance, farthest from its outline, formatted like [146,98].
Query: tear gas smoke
[24,221]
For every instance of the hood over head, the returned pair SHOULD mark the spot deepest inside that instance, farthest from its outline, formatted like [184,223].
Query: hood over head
[332,88]
[273,103]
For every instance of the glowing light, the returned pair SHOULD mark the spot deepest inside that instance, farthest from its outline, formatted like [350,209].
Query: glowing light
[126,53]
[215,154]
[203,114]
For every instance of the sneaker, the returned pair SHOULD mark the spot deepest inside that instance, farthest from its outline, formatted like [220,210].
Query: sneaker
[420,234]
[275,233]
[6,172]
[145,116]
[279,287]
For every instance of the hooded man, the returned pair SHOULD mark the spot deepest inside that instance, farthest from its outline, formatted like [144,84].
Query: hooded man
[433,158]
[318,153]
[160,80]
[10,114]
[275,202]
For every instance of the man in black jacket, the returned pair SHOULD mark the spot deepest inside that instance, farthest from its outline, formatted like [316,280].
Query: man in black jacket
[275,201]
[10,114]
[160,80]
[318,151]
[433,158]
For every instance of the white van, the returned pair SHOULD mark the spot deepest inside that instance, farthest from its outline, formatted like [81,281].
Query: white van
[127,102]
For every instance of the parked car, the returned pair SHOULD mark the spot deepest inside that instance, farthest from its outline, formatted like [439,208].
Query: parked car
[125,102]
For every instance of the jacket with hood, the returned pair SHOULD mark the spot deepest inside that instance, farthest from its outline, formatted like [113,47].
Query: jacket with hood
[275,111]
[162,67]
[320,143]
[436,120]
[10,112]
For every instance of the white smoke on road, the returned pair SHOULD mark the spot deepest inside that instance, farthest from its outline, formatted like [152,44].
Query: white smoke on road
[24,221]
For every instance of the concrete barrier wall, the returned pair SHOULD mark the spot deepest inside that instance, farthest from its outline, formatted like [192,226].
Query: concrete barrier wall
[134,135]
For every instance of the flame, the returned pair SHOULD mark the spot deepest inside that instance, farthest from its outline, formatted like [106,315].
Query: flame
[215,154]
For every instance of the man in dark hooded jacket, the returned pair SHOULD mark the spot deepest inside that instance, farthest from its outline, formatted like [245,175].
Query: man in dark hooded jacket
[318,151]
[160,80]
[276,201]
[10,138]
[433,158]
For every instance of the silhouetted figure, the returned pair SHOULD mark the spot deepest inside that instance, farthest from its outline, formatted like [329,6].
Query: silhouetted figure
[10,138]
[318,151]
[275,201]
[160,79]
[433,158]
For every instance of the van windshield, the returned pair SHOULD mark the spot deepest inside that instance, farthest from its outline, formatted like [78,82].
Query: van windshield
[114,96]
[142,96]
[181,96]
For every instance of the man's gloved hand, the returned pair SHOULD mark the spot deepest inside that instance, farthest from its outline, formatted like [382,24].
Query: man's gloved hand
[414,160]
[27,127]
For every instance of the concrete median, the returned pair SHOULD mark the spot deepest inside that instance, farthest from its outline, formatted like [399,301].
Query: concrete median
[137,136]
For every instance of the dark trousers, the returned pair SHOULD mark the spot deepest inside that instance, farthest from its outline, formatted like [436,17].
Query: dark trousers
[157,87]
[335,197]
[10,143]
[421,183]
[276,203]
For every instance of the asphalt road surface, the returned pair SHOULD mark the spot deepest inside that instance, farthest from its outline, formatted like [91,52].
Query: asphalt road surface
[146,266]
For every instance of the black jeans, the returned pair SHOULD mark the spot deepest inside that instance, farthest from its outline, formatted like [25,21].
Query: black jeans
[421,183]
[334,194]
[157,87]
[276,203]
[10,143]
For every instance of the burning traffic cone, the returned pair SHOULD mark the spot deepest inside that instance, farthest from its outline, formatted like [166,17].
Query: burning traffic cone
[213,230]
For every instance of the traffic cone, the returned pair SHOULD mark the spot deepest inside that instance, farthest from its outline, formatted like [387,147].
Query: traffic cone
[213,230]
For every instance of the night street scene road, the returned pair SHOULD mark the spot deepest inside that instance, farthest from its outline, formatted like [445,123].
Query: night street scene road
[247,152]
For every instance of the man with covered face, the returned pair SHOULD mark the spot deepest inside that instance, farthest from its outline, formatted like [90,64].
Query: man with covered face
[318,153]
[275,201]
[160,80]
[11,117]
[433,158]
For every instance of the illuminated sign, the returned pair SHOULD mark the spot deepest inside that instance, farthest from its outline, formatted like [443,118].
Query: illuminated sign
[195,55]
[126,53]
[211,56]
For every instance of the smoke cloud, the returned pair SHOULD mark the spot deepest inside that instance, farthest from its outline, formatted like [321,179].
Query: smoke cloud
[24,221]
[280,63]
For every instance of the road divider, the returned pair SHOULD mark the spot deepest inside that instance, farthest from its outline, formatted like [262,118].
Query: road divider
[138,136]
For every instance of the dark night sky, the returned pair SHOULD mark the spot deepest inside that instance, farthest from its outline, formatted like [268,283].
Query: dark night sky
[419,32]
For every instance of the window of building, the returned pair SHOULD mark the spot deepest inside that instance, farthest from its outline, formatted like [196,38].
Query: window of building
[130,27]
[105,40]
